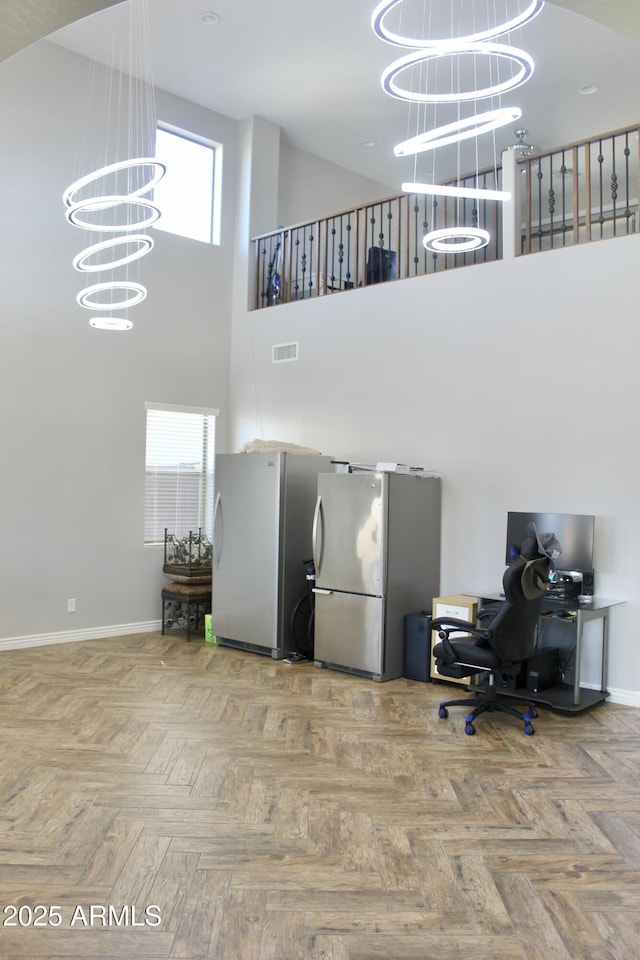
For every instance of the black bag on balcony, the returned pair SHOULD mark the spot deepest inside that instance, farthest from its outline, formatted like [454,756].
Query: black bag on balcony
[381,265]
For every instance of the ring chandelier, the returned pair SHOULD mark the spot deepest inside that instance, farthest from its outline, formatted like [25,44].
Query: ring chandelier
[136,291]
[425,50]
[110,323]
[456,239]
[461,193]
[113,169]
[501,50]
[144,246]
[148,208]
[136,245]
[383,32]
[457,131]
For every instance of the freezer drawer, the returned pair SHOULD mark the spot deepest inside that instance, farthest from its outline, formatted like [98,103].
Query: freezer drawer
[349,632]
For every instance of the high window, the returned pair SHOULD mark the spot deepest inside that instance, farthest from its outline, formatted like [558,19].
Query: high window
[189,193]
[179,462]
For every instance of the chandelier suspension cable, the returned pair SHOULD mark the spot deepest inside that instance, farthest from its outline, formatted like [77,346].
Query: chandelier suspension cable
[475,106]
[140,74]
[458,239]
[142,69]
[516,25]
[459,142]
[493,132]
[425,74]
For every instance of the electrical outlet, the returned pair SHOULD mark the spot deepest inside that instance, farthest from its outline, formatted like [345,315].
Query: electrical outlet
[71,606]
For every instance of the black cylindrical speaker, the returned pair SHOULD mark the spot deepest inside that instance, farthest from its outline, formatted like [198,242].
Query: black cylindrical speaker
[587,583]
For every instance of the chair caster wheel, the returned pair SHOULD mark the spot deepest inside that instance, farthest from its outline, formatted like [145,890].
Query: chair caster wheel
[528,729]
[469,729]
[443,713]
[533,713]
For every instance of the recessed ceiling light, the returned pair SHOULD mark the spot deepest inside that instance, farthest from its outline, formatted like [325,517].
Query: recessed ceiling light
[209,18]
[587,89]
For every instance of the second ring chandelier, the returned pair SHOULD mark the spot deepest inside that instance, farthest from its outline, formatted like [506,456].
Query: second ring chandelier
[408,78]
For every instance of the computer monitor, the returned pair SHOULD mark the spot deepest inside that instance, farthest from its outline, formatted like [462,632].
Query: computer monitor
[573,531]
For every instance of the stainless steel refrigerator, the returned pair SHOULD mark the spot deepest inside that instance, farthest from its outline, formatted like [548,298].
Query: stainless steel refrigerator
[376,549]
[262,525]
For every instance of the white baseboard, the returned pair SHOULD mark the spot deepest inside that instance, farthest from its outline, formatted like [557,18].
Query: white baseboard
[73,636]
[630,698]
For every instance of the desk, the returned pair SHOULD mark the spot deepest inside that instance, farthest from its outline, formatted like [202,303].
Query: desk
[568,697]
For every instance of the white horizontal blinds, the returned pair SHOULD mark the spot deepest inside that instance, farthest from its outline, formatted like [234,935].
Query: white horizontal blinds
[179,471]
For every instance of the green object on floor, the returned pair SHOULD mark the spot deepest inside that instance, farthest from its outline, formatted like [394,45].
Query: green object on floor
[208,635]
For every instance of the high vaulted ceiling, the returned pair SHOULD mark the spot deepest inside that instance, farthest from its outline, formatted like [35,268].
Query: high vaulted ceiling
[313,68]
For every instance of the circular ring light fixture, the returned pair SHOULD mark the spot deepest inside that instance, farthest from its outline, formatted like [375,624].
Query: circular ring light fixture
[457,131]
[159,170]
[384,33]
[456,239]
[144,246]
[110,323]
[520,57]
[136,290]
[463,193]
[103,203]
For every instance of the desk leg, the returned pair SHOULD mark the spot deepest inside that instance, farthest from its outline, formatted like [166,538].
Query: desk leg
[605,651]
[576,666]
[580,621]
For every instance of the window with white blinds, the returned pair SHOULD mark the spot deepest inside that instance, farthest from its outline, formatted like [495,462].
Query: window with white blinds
[179,461]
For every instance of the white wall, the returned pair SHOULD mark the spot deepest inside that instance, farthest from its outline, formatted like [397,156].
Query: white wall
[309,187]
[72,399]
[516,381]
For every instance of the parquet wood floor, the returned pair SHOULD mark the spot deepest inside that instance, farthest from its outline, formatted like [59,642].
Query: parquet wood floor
[261,811]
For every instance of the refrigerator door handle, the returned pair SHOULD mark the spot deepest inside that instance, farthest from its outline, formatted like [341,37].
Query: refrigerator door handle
[216,540]
[316,546]
[325,593]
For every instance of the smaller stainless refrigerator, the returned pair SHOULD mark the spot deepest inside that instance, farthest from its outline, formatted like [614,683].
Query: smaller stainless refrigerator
[376,550]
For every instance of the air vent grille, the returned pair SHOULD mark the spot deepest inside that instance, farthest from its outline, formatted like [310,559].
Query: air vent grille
[284,352]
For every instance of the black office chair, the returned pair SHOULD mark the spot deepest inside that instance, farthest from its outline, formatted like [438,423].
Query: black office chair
[498,648]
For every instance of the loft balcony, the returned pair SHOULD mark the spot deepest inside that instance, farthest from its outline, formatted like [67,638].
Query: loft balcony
[574,194]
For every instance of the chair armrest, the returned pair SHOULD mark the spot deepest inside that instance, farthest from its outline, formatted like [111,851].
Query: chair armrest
[446,626]
[488,613]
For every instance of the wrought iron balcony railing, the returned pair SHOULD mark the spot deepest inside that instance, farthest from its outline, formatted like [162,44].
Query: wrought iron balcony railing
[581,192]
[368,244]
[572,194]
